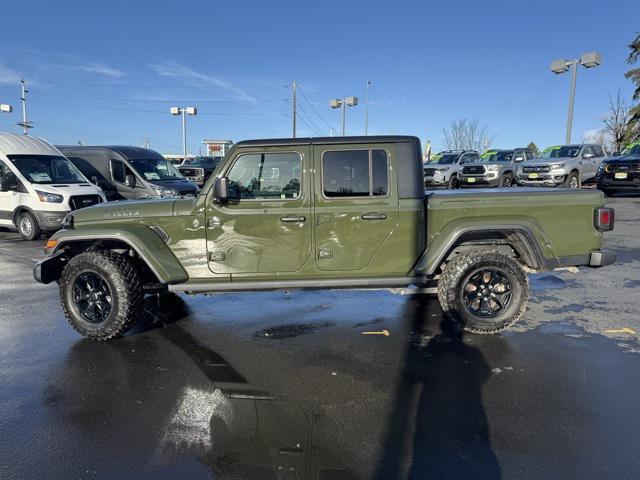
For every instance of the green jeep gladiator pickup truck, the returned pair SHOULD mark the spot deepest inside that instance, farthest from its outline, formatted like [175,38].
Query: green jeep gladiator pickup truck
[322,213]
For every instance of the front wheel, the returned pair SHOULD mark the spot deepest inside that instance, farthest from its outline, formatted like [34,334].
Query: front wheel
[101,294]
[573,181]
[507,181]
[453,182]
[28,226]
[483,290]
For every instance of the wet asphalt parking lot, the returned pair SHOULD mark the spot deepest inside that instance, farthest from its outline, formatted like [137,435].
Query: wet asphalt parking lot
[289,385]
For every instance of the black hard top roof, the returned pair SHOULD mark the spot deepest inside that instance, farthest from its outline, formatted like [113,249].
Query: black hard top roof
[327,140]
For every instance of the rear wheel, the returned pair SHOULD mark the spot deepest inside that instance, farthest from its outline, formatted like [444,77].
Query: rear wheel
[28,226]
[573,181]
[483,290]
[101,294]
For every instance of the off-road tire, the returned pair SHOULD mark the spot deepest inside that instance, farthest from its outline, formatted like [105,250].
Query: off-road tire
[453,182]
[453,280]
[571,176]
[28,226]
[507,181]
[127,296]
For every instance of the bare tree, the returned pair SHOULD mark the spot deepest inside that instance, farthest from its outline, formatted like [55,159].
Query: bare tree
[465,134]
[599,137]
[616,122]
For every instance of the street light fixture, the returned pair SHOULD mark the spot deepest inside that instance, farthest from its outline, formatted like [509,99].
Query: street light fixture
[5,108]
[184,111]
[343,103]
[587,60]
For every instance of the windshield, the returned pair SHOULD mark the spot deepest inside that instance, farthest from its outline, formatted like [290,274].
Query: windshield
[443,159]
[156,169]
[47,169]
[491,156]
[211,162]
[561,151]
[631,149]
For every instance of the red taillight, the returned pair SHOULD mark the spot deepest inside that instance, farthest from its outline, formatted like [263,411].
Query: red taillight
[604,219]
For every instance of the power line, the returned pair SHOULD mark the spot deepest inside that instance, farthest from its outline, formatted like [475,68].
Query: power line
[305,114]
[313,108]
[130,85]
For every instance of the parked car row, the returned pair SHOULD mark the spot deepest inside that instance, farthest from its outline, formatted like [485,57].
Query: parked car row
[558,166]
[41,183]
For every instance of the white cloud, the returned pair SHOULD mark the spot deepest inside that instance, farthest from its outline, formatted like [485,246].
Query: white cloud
[175,70]
[100,69]
[8,76]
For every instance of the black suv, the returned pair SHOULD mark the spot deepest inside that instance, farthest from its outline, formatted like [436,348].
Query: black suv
[621,173]
[198,169]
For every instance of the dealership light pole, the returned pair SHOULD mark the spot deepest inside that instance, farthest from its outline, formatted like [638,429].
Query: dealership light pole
[343,103]
[184,111]
[366,111]
[587,60]
[4,108]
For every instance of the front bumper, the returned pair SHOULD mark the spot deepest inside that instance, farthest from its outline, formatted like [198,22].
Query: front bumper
[606,183]
[474,181]
[50,269]
[50,220]
[543,180]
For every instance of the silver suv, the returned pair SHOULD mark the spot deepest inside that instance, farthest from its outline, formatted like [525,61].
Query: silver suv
[443,169]
[562,165]
[495,168]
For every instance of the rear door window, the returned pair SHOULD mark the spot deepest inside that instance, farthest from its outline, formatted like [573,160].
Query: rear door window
[355,173]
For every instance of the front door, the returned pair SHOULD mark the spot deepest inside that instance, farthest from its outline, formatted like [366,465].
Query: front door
[10,199]
[356,204]
[266,225]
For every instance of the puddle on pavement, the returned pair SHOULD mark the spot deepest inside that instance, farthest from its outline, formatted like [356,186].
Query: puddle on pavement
[546,281]
[291,330]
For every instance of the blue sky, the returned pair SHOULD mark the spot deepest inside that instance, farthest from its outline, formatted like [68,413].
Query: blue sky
[107,72]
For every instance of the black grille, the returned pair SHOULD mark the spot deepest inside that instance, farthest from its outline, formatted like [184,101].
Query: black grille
[536,169]
[82,201]
[623,167]
[429,172]
[473,170]
[191,172]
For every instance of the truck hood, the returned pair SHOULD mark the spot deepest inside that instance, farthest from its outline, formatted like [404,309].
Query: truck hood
[128,209]
[548,161]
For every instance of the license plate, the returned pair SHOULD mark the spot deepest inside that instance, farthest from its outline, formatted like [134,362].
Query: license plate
[533,175]
[471,180]
[193,179]
[621,175]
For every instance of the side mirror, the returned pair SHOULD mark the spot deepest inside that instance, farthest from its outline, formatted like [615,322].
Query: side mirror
[130,180]
[587,156]
[94,180]
[518,159]
[221,189]
[4,184]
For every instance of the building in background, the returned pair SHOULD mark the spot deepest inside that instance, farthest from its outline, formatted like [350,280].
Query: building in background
[217,148]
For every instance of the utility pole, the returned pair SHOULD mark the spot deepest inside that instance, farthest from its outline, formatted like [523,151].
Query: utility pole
[293,101]
[366,111]
[24,124]
[145,142]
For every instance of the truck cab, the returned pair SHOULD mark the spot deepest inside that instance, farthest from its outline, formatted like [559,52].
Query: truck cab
[39,186]
[567,166]
[495,168]
[443,168]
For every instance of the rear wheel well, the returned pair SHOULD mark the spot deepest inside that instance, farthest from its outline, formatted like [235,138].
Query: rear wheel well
[73,248]
[511,243]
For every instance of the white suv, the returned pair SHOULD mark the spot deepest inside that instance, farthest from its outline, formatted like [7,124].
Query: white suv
[39,186]
[443,169]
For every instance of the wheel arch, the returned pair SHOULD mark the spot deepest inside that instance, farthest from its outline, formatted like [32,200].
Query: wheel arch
[138,241]
[19,210]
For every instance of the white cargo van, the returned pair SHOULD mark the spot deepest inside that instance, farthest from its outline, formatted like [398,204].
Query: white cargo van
[39,186]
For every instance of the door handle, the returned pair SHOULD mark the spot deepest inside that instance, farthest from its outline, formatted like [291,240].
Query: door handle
[292,219]
[374,216]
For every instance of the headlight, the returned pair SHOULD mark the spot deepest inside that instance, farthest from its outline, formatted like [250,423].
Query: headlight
[49,197]
[602,167]
[165,192]
[559,166]
[492,168]
[442,170]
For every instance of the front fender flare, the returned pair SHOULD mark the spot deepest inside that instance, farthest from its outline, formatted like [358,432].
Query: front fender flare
[144,241]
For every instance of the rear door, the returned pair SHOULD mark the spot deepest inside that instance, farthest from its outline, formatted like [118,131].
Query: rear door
[356,203]
[266,226]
